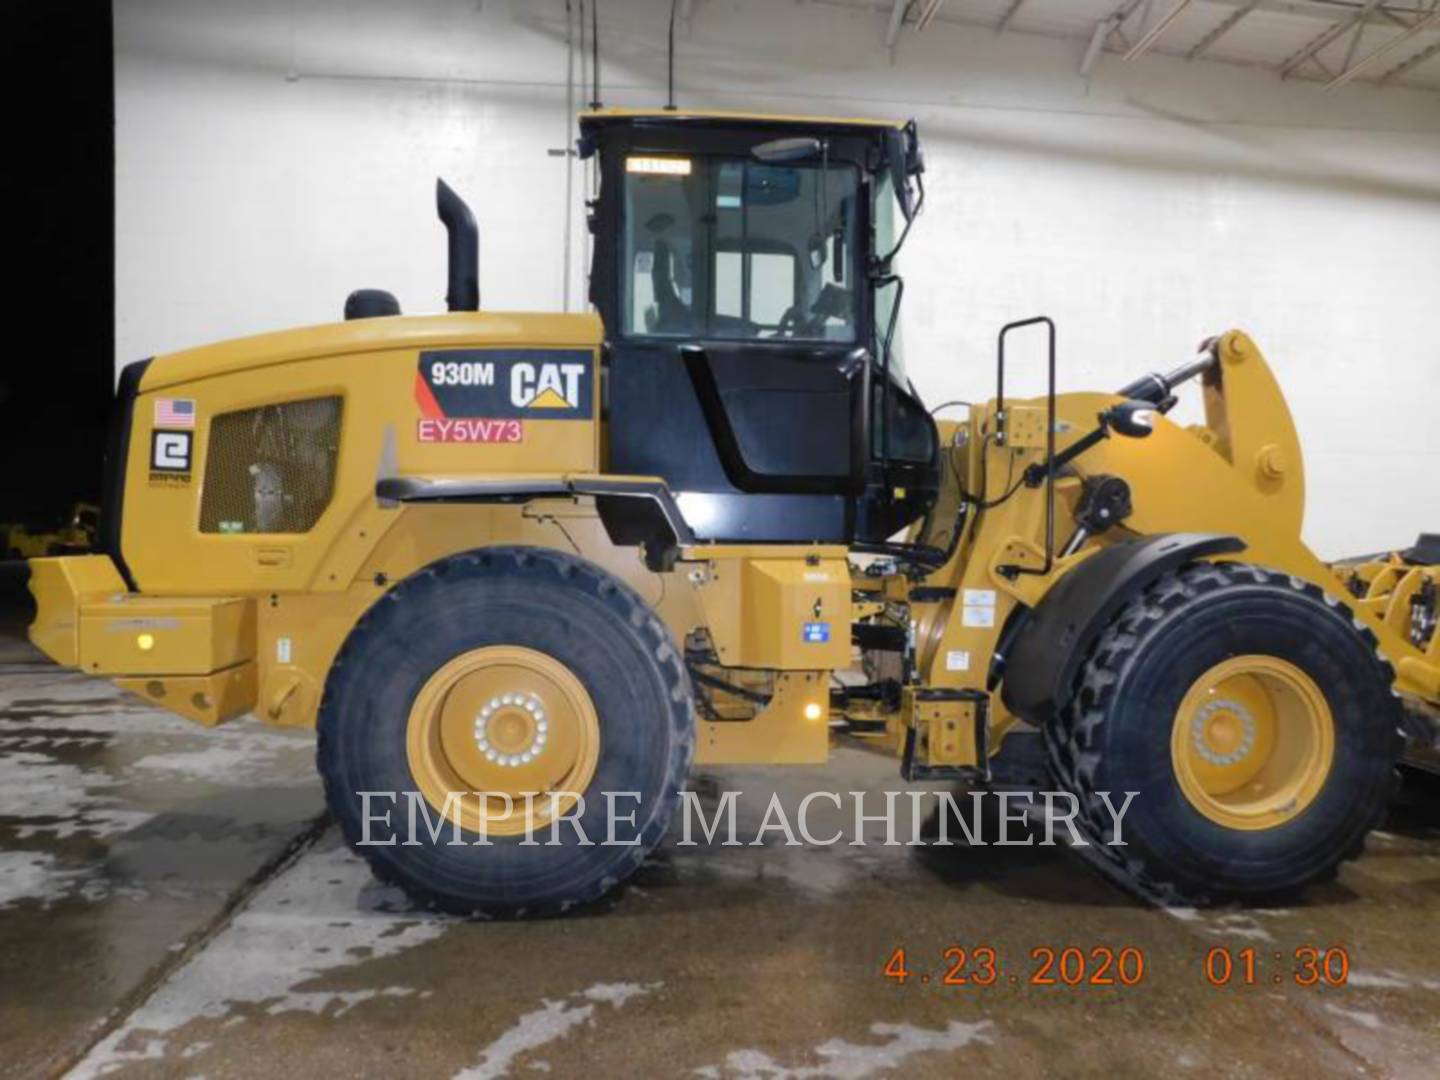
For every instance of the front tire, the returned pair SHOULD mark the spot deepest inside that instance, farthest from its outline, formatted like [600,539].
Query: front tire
[493,674]
[1255,722]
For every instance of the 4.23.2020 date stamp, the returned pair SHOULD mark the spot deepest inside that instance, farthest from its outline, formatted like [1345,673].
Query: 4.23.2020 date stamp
[982,965]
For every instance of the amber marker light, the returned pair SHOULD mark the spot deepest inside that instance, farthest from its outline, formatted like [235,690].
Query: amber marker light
[658,166]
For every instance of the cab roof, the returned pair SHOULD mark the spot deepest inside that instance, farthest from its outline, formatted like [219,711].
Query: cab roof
[624,114]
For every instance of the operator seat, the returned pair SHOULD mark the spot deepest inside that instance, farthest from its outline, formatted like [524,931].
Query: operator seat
[672,315]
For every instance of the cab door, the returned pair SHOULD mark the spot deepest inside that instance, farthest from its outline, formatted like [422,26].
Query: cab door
[735,371]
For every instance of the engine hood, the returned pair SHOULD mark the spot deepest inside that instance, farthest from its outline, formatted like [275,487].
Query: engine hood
[466,328]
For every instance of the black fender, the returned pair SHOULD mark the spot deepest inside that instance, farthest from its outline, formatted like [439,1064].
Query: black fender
[633,511]
[1049,649]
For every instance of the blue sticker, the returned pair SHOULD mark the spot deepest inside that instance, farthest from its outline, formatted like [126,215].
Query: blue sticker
[817,633]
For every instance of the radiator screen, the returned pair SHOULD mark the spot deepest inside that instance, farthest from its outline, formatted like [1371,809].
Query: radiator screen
[271,469]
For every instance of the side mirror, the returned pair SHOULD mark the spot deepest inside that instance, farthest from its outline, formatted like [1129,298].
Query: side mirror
[902,149]
[1133,419]
[896,150]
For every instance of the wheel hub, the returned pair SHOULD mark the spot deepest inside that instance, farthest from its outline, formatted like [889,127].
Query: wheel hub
[512,729]
[1224,731]
[1253,742]
[500,739]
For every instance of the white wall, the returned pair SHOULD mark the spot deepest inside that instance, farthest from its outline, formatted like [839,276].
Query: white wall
[274,154]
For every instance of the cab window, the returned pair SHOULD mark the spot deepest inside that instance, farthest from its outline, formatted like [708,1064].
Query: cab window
[729,248]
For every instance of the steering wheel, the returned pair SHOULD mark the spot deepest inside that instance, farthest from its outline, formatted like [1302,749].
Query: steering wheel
[793,320]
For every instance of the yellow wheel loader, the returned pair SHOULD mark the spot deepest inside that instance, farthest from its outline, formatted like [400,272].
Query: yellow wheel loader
[523,570]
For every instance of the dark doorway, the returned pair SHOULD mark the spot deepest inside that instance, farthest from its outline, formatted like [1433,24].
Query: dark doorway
[57,198]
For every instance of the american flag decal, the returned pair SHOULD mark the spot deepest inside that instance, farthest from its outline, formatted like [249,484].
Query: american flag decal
[174,412]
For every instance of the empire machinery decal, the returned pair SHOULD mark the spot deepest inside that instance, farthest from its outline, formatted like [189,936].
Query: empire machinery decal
[487,395]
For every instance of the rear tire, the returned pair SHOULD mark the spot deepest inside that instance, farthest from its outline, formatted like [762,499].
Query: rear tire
[593,651]
[1270,661]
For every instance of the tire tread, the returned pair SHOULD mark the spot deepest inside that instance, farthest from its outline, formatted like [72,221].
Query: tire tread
[573,572]
[1074,734]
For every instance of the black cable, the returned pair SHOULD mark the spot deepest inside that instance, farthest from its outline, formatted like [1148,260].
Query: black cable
[905,232]
[670,100]
[899,283]
[881,275]
[957,529]
[915,554]
[984,468]
[947,405]
[948,471]
[824,191]
[729,687]
[1003,498]
[981,505]
[580,4]
[595,51]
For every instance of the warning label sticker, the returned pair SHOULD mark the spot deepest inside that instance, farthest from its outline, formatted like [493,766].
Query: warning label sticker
[816,633]
[979,608]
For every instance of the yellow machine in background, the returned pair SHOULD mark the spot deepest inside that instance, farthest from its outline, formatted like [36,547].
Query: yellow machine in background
[77,535]
[1401,589]
[520,564]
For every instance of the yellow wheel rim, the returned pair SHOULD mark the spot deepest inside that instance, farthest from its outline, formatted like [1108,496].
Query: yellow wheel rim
[1253,742]
[501,739]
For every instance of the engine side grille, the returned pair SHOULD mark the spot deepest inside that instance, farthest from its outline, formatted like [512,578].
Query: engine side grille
[271,469]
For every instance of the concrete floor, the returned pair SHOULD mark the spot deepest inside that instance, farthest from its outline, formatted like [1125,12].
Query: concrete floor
[172,905]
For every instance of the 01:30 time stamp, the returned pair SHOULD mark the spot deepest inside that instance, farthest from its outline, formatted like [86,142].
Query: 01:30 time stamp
[1307,965]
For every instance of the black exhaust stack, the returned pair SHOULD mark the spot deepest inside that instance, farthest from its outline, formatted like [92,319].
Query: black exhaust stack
[464,286]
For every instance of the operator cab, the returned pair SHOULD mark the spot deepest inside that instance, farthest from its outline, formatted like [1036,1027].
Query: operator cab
[740,270]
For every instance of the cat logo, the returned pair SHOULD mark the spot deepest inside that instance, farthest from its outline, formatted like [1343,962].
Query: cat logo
[512,385]
[545,386]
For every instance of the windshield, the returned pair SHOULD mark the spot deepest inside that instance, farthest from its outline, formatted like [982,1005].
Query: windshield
[888,226]
[733,248]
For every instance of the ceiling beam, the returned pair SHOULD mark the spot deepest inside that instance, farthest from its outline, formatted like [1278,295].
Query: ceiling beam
[1141,47]
[1365,62]
[1103,29]
[1354,46]
[1348,20]
[1333,33]
[897,16]
[1419,58]
[1009,16]
[1336,9]
[928,14]
[1226,25]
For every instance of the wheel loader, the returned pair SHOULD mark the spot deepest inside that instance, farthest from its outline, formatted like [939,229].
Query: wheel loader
[514,563]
